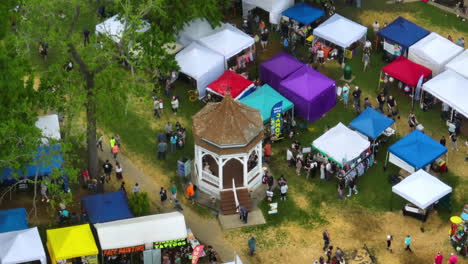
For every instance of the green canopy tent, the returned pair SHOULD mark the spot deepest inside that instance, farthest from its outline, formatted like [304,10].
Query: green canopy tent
[263,99]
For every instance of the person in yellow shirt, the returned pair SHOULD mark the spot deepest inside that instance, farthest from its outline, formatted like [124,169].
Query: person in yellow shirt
[112,143]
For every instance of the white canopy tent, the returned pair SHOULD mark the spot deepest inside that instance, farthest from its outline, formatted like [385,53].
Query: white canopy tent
[228,42]
[421,189]
[21,246]
[341,143]
[115,26]
[237,260]
[434,52]
[195,30]
[50,127]
[459,64]
[202,64]
[451,88]
[340,31]
[273,7]
[141,230]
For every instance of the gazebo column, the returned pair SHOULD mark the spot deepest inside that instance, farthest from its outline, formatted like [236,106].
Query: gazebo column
[245,160]
[219,160]
[260,154]
[199,162]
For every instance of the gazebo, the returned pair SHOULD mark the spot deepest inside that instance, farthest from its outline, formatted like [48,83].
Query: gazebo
[228,146]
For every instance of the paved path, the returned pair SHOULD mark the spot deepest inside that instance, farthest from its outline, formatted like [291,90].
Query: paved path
[206,230]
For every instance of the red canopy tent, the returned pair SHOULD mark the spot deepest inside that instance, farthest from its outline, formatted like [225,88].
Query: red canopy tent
[406,71]
[230,81]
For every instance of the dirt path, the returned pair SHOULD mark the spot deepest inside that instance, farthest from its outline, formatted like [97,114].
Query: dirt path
[205,229]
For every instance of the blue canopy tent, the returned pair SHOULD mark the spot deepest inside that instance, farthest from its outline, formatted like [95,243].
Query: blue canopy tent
[263,99]
[402,32]
[45,160]
[106,207]
[415,151]
[304,13]
[13,220]
[371,123]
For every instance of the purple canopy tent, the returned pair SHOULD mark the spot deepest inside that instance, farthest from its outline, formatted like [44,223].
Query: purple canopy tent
[278,68]
[312,93]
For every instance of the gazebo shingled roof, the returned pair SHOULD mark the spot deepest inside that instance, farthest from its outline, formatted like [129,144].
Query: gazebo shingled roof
[227,124]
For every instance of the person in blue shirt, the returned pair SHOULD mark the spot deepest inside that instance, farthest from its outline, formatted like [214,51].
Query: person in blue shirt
[173,142]
[408,243]
[286,44]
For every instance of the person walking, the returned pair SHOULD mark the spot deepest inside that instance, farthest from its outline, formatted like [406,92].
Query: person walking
[168,129]
[381,102]
[161,106]
[44,192]
[340,191]
[267,152]
[443,141]
[329,253]
[408,243]
[392,106]
[173,141]
[111,143]
[412,121]
[365,60]
[264,38]
[284,191]
[438,258]
[345,94]
[162,148]
[156,108]
[252,245]
[289,157]
[122,187]
[136,188]
[243,214]
[173,191]
[453,259]
[389,242]
[107,170]
[115,151]
[118,171]
[99,143]
[453,140]
[357,99]
[352,186]
[86,36]
[322,171]
[163,194]
[190,192]
[270,182]
[326,239]
[175,104]
[299,164]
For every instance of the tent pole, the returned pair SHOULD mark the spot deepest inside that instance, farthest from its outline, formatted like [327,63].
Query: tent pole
[380,78]
[391,201]
[451,115]
[386,161]
[412,100]
[421,101]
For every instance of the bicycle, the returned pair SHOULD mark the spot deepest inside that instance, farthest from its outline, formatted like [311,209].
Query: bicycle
[193,95]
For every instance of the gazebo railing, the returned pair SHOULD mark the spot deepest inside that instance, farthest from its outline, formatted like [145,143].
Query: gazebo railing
[210,178]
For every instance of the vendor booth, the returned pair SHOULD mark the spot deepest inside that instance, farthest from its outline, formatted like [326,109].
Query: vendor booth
[115,26]
[72,244]
[450,88]
[372,124]
[23,246]
[13,220]
[106,207]
[422,190]
[264,98]
[399,35]
[415,151]
[273,7]
[46,159]
[135,235]
[228,42]
[195,30]
[277,68]
[201,64]
[342,145]
[232,82]
[406,71]
[339,31]
[303,13]
[434,52]
[313,93]
[459,64]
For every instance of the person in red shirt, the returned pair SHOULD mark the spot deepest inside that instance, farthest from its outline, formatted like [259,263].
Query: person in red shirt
[267,152]
[438,258]
[453,259]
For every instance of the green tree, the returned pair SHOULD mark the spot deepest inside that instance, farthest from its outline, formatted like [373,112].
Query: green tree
[139,204]
[95,80]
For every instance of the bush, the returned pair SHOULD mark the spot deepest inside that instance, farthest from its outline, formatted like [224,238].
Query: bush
[139,204]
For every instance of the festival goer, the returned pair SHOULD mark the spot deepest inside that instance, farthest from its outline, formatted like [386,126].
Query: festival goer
[412,121]
[408,243]
[284,191]
[190,192]
[357,99]
[107,170]
[389,242]
[44,192]
[163,194]
[326,239]
[118,171]
[252,245]
[453,141]
[136,188]
[345,95]
[173,191]
[438,258]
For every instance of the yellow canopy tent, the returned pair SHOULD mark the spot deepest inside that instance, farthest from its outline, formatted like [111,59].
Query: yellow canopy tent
[71,242]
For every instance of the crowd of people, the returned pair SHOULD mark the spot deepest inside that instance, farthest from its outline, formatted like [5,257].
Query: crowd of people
[174,135]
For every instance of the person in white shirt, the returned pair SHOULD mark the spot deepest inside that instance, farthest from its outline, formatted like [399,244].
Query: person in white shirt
[284,191]
[376,26]
[136,188]
[289,157]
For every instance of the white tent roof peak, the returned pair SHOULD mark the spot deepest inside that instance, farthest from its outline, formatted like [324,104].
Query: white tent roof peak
[340,31]
[115,26]
[273,7]
[141,230]
[228,42]
[341,143]
[195,30]
[421,189]
[460,64]
[50,127]
[21,246]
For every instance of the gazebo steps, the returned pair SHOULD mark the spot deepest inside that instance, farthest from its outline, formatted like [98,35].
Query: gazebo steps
[228,204]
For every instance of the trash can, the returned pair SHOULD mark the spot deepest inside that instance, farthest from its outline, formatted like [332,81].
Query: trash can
[347,72]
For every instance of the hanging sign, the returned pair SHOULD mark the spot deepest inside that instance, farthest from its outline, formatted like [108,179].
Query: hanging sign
[276,119]
[197,253]
[171,243]
[118,251]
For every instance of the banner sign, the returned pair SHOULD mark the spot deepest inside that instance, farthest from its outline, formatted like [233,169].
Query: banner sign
[276,118]
[197,253]
[171,243]
[118,251]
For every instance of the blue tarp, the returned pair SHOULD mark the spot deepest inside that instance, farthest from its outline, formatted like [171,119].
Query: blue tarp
[47,158]
[417,149]
[403,32]
[13,220]
[371,123]
[304,13]
[106,207]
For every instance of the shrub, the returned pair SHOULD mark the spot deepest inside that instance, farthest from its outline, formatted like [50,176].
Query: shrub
[139,203]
